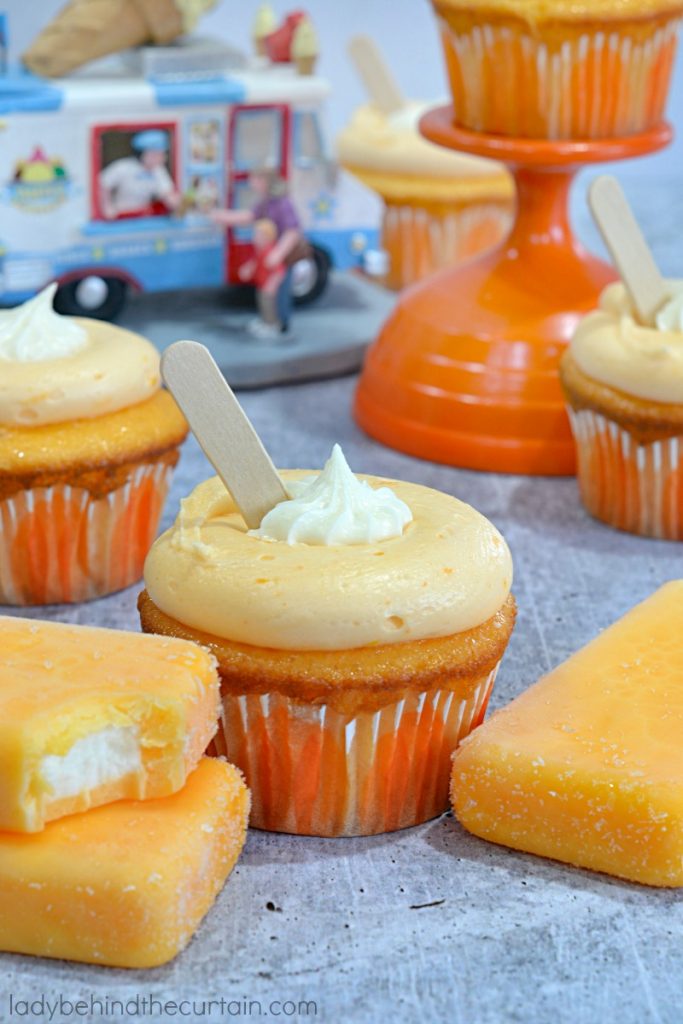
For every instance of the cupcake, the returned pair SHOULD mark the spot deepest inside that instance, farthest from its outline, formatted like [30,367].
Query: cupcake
[559,69]
[624,386]
[358,633]
[440,207]
[88,441]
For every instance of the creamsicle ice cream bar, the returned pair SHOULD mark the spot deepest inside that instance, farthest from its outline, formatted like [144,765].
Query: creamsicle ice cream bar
[124,885]
[586,766]
[89,716]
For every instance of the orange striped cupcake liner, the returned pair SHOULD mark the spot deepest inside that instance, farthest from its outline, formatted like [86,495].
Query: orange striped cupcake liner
[631,486]
[60,544]
[315,771]
[574,82]
[420,239]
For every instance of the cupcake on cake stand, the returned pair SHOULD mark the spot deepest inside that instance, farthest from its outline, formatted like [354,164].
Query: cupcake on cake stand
[465,370]
[441,207]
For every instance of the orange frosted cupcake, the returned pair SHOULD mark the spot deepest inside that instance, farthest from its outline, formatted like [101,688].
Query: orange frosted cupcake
[624,386]
[358,633]
[88,441]
[440,207]
[559,68]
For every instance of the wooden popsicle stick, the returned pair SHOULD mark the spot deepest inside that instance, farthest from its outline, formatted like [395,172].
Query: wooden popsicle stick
[627,246]
[223,429]
[377,79]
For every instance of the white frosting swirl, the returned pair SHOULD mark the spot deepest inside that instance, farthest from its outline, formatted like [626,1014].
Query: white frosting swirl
[670,316]
[33,332]
[335,507]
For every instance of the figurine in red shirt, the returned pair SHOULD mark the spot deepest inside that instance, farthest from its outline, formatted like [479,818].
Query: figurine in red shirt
[267,276]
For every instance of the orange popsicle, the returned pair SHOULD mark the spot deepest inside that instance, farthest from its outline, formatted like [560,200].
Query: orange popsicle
[128,884]
[88,716]
[586,766]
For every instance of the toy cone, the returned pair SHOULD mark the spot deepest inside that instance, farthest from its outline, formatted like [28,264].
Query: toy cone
[305,65]
[304,47]
[87,29]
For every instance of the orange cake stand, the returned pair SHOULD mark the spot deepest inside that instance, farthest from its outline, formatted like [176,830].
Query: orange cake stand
[465,369]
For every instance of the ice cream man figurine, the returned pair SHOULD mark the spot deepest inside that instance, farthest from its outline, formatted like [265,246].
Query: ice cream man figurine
[132,186]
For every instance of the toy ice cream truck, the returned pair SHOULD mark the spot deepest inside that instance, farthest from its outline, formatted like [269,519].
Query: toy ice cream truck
[107,179]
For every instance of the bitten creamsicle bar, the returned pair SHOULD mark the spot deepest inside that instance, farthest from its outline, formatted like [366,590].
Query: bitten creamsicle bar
[127,884]
[89,716]
[587,765]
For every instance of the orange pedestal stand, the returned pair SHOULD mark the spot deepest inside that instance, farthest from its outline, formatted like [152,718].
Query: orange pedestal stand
[465,369]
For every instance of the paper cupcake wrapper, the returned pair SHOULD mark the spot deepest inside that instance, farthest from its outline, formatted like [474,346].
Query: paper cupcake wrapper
[420,241]
[314,771]
[595,84]
[631,486]
[61,545]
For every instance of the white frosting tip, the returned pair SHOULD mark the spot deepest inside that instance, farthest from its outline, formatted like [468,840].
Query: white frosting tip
[335,507]
[670,316]
[33,332]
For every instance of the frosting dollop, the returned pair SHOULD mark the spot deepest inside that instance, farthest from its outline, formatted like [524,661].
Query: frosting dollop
[55,369]
[448,571]
[670,316]
[392,142]
[610,346]
[335,508]
[34,332]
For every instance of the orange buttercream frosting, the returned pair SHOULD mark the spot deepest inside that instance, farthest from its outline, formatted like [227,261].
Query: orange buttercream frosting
[55,368]
[447,571]
[611,347]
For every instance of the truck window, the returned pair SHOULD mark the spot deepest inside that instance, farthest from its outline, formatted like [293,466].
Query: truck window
[257,139]
[308,143]
[134,172]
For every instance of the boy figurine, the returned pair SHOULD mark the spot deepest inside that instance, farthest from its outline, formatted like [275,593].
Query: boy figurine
[267,278]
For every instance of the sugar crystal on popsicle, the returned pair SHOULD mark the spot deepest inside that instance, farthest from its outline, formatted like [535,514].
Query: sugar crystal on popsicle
[127,884]
[586,766]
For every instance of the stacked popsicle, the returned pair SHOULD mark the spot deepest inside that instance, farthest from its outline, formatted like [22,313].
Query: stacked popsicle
[117,834]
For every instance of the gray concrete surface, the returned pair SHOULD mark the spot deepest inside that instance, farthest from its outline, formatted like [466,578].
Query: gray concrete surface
[327,338]
[429,924]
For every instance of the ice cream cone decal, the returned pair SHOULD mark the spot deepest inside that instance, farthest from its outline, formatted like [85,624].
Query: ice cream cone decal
[265,22]
[305,47]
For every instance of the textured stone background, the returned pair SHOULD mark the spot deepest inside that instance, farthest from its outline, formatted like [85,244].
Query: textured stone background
[430,924]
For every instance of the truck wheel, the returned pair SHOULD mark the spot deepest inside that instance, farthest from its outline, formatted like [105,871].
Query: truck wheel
[310,276]
[102,298]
